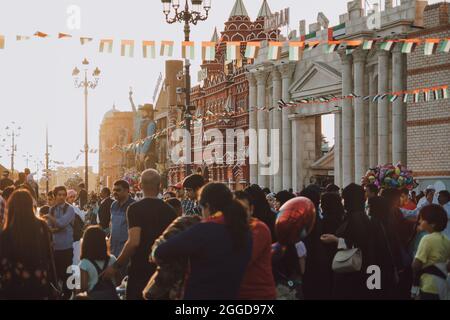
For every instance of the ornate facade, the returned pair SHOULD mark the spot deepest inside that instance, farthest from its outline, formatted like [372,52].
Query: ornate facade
[224,91]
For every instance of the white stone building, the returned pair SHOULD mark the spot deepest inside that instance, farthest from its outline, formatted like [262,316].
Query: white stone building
[366,133]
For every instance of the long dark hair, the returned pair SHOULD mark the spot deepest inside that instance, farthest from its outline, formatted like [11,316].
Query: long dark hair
[261,208]
[23,233]
[354,198]
[331,204]
[93,246]
[219,198]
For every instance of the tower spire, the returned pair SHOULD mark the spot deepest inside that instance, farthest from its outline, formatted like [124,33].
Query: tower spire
[238,9]
[264,12]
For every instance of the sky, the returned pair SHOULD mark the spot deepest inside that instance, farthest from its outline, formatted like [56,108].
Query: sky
[36,83]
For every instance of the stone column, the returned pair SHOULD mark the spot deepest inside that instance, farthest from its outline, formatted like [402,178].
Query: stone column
[287,71]
[373,121]
[347,121]
[277,128]
[359,59]
[261,77]
[398,107]
[253,124]
[338,148]
[383,107]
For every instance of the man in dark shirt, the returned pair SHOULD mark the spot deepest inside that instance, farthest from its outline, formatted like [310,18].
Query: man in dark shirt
[5,182]
[104,211]
[82,196]
[147,220]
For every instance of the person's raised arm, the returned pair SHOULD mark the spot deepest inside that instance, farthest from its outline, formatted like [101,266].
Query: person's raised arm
[66,218]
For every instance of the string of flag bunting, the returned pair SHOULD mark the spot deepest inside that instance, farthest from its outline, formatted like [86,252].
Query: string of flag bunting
[413,96]
[295,48]
[428,94]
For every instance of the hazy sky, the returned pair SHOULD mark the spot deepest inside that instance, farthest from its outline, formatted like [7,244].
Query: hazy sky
[36,85]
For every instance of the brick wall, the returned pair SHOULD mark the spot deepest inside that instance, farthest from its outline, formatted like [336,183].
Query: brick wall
[428,123]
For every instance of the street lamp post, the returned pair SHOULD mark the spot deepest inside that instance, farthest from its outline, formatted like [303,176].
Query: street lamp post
[188,15]
[13,131]
[86,85]
[27,158]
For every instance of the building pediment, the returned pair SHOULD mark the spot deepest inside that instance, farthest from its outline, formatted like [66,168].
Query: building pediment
[319,79]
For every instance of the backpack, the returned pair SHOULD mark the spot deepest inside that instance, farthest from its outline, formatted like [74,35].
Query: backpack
[104,289]
[77,224]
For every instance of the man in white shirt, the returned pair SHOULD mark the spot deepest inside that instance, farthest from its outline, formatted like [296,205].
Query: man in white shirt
[429,194]
[444,201]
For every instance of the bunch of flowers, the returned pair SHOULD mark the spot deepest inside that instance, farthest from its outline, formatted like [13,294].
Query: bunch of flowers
[132,177]
[390,176]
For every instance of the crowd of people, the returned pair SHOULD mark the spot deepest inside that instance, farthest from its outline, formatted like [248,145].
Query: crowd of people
[198,240]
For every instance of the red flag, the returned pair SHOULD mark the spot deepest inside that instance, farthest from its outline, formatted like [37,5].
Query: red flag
[41,34]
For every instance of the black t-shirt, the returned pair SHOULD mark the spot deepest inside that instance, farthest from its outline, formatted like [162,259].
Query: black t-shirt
[153,216]
[83,198]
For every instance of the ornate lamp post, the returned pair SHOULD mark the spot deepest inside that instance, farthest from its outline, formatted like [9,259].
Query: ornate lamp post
[13,132]
[191,14]
[86,84]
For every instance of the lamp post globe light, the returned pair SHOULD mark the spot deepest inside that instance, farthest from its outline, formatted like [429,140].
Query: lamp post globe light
[13,131]
[86,84]
[191,14]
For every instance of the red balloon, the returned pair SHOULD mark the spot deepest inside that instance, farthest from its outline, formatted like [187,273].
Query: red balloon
[295,220]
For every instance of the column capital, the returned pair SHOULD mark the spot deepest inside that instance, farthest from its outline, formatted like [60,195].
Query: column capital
[286,70]
[251,78]
[382,53]
[359,55]
[276,74]
[345,58]
[261,77]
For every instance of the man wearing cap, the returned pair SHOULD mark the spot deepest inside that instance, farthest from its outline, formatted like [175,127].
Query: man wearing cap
[192,185]
[5,182]
[429,197]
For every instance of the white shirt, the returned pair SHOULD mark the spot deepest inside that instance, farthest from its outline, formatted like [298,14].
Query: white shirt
[446,231]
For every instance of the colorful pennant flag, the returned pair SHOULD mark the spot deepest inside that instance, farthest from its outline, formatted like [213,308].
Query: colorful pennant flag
[2,42]
[106,45]
[393,97]
[21,38]
[409,45]
[332,46]
[274,50]
[336,31]
[64,35]
[445,93]
[430,46]
[416,96]
[387,45]
[85,40]
[166,49]
[311,45]
[368,44]
[427,94]
[40,34]
[188,50]
[252,49]
[295,48]
[353,44]
[436,93]
[127,48]
[148,49]
[208,51]
[405,97]
[233,50]
[445,46]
